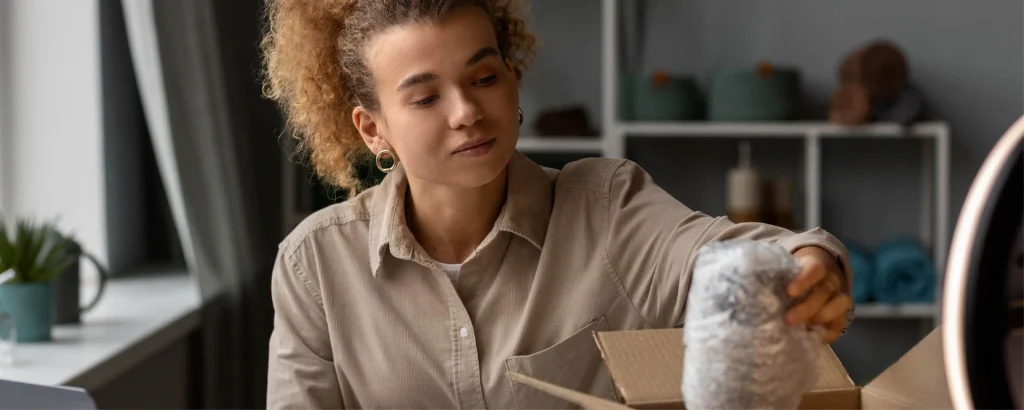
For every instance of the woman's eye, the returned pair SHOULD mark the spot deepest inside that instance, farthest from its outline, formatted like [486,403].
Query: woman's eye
[425,101]
[487,80]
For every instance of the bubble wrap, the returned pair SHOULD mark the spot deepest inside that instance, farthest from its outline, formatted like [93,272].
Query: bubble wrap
[739,353]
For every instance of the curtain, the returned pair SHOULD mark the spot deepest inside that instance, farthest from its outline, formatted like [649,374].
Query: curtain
[213,136]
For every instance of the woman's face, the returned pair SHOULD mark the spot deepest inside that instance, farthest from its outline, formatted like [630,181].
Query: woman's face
[448,102]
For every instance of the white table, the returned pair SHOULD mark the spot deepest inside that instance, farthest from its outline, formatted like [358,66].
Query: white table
[136,317]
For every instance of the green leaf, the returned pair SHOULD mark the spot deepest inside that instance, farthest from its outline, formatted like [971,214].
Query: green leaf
[21,245]
[37,239]
[36,252]
[56,257]
[6,249]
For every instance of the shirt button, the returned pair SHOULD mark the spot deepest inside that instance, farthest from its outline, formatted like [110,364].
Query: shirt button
[463,332]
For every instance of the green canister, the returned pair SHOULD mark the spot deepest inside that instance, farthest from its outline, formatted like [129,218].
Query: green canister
[761,93]
[660,97]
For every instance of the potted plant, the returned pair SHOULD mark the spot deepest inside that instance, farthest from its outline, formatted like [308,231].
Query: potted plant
[35,253]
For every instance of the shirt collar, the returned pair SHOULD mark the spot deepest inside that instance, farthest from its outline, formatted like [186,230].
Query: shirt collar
[526,212]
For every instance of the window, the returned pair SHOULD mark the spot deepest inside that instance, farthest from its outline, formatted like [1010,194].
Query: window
[140,229]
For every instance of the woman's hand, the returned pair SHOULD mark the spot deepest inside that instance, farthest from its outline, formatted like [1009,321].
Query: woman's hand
[826,304]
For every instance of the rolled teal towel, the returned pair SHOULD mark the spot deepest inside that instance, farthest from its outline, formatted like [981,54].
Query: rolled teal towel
[862,264]
[904,273]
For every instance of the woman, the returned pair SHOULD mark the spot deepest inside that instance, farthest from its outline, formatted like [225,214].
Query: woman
[468,261]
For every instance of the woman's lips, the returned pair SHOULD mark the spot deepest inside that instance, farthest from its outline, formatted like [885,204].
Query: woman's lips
[475,149]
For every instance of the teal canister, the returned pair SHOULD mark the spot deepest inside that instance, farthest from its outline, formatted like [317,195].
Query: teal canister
[661,97]
[28,304]
[625,102]
[761,93]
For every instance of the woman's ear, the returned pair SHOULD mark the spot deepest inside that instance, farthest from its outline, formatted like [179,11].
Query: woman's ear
[368,130]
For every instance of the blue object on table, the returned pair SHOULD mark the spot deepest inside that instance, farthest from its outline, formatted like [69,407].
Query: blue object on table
[904,273]
[863,266]
[29,305]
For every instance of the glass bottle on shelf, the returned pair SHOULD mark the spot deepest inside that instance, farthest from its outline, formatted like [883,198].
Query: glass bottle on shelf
[8,334]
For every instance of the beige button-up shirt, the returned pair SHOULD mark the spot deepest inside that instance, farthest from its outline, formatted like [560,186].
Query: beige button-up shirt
[365,318]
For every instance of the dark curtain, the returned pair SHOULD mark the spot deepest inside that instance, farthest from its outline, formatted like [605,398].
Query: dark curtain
[217,146]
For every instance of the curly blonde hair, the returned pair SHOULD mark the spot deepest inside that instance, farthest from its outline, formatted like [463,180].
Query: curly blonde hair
[314,68]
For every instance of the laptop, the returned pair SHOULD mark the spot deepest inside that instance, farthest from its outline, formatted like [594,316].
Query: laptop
[18,395]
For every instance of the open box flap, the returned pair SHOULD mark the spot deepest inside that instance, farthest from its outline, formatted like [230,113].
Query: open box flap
[916,380]
[585,401]
[832,374]
[646,366]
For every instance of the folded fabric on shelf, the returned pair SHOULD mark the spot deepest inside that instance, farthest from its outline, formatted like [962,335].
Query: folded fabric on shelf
[904,273]
[863,266]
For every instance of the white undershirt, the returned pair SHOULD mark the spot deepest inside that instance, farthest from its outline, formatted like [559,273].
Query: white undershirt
[452,269]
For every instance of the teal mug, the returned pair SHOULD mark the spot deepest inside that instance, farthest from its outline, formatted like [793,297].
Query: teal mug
[29,306]
[36,306]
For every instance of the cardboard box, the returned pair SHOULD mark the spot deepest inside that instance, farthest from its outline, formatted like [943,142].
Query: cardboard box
[646,368]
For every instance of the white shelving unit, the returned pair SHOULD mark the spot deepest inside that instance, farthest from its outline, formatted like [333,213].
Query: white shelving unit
[873,310]
[559,145]
[935,137]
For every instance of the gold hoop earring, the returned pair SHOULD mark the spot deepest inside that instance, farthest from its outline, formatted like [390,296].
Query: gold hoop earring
[520,115]
[380,166]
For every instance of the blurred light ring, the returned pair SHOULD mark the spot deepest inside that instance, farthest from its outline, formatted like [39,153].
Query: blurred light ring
[958,266]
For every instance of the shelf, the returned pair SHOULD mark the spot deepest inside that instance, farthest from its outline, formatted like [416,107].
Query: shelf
[878,310]
[781,129]
[573,145]
[137,317]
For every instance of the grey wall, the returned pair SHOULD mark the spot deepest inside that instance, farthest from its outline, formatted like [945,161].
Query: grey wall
[5,99]
[53,162]
[567,70]
[966,56]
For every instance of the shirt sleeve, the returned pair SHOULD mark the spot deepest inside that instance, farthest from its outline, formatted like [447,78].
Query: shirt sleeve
[653,240]
[300,372]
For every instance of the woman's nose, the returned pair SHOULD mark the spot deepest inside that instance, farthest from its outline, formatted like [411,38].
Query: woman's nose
[465,112]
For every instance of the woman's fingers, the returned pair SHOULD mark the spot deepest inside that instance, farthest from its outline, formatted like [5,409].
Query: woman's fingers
[812,271]
[835,308]
[834,329]
[831,335]
[825,305]
[807,309]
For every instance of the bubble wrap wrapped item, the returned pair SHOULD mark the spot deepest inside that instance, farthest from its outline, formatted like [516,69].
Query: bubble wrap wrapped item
[739,353]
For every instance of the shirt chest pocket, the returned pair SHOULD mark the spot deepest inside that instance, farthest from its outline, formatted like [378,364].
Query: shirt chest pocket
[574,363]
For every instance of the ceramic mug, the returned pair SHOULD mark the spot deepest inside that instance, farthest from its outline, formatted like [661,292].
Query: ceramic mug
[67,308]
